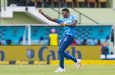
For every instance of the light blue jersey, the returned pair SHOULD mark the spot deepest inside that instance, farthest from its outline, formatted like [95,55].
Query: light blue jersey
[68,30]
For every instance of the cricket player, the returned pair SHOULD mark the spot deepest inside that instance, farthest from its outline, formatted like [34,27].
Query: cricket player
[69,23]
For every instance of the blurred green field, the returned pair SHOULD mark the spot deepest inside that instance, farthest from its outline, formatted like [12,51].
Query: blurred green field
[49,70]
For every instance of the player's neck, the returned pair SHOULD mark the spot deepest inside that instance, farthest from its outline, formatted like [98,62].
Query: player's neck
[67,16]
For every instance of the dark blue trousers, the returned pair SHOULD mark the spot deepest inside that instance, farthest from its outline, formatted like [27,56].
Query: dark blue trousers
[65,42]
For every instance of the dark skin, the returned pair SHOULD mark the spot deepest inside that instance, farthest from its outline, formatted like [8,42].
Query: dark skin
[65,15]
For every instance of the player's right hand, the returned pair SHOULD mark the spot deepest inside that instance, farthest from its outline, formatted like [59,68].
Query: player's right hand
[40,11]
[63,24]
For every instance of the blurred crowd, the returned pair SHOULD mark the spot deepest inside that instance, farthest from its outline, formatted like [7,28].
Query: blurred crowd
[60,3]
[53,40]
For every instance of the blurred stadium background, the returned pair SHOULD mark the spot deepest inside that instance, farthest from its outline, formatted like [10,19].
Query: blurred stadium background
[25,35]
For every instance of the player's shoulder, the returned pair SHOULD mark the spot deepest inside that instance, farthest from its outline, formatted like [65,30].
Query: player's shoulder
[73,15]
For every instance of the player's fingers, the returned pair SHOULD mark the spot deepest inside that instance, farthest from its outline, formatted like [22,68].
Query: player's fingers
[40,10]
[63,24]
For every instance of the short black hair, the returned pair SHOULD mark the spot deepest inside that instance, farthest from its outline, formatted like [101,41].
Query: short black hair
[65,9]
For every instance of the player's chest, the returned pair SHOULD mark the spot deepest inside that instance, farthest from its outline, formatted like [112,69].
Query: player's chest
[67,19]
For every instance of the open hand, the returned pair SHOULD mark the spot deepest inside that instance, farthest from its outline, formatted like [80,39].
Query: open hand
[40,11]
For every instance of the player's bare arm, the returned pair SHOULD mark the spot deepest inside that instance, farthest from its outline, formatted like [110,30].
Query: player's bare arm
[49,18]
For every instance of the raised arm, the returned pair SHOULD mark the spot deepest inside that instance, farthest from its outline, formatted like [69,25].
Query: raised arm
[49,18]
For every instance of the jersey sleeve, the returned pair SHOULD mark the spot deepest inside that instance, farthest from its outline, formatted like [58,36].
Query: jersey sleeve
[59,21]
[74,17]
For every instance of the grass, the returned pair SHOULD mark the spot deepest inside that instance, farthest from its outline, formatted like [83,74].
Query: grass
[49,70]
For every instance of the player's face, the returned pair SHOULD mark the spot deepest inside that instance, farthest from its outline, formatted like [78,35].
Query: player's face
[64,13]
